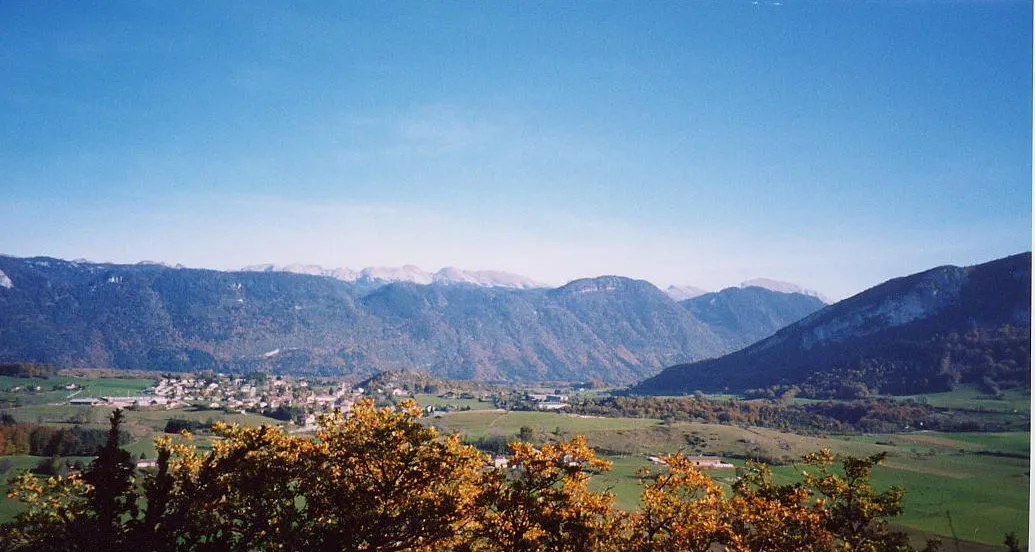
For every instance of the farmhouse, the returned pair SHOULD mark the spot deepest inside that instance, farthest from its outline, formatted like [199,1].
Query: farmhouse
[701,462]
[121,402]
[710,463]
[134,401]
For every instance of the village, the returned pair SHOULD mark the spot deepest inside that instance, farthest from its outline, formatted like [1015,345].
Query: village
[303,398]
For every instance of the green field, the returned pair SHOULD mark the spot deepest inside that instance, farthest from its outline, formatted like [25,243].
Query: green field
[428,399]
[985,495]
[87,387]
[971,398]
[499,422]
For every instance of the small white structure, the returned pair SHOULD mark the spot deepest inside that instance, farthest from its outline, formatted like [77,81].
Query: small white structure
[710,463]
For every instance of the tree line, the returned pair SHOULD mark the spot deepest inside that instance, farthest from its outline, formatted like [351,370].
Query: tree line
[379,479]
[27,370]
[17,438]
[872,415]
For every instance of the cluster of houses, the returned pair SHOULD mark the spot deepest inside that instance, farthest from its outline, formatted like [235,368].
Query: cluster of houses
[232,393]
[548,402]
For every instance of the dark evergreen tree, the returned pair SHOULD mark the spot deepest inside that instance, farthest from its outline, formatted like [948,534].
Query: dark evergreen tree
[113,496]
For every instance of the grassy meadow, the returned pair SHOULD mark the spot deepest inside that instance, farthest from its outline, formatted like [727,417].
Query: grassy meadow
[430,399]
[85,387]
[968,397]
[979,480]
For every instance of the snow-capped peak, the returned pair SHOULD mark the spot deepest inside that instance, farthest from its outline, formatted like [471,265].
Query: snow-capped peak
[485,278]
[5,281]
[784,287]
[342,274]
[407,273]
[682,293]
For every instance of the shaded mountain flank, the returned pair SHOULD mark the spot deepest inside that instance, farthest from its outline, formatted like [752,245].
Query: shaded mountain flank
[744,315]
[920,333]
[151,316]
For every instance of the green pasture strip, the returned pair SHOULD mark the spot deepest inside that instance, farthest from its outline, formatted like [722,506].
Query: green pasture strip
[1011,443]
[87,387]
[985,496]
[965,397]
[46,394]
[21,398]
[919,539]
[50,413]
[1016,442]
[622,480]
[7,382]
[722,440]
[427,399]
[157,418]
[91,386]
[971,398]
[477,424]
[115,387]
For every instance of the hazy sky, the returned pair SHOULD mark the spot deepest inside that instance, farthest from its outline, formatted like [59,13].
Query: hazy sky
[833,144]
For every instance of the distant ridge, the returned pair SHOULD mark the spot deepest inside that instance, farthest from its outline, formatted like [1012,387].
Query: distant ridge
[408,273]
[682,293]
[744,315]
[784,287]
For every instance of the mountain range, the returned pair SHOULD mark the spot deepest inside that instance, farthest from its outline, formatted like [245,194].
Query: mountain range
[925,332]
[377,275]
[480,325]
[408,273]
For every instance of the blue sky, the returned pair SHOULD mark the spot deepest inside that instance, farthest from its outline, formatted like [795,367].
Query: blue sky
[828,143]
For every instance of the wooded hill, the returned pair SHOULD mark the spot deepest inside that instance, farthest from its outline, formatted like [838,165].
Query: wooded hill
[922,333]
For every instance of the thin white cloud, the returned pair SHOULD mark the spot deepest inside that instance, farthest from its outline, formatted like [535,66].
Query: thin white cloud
[427,131]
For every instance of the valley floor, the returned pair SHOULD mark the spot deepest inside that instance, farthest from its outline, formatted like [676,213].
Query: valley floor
[971,485]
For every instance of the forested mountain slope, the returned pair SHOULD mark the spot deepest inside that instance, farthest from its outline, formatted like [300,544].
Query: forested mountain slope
[924,332]
[614,329]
